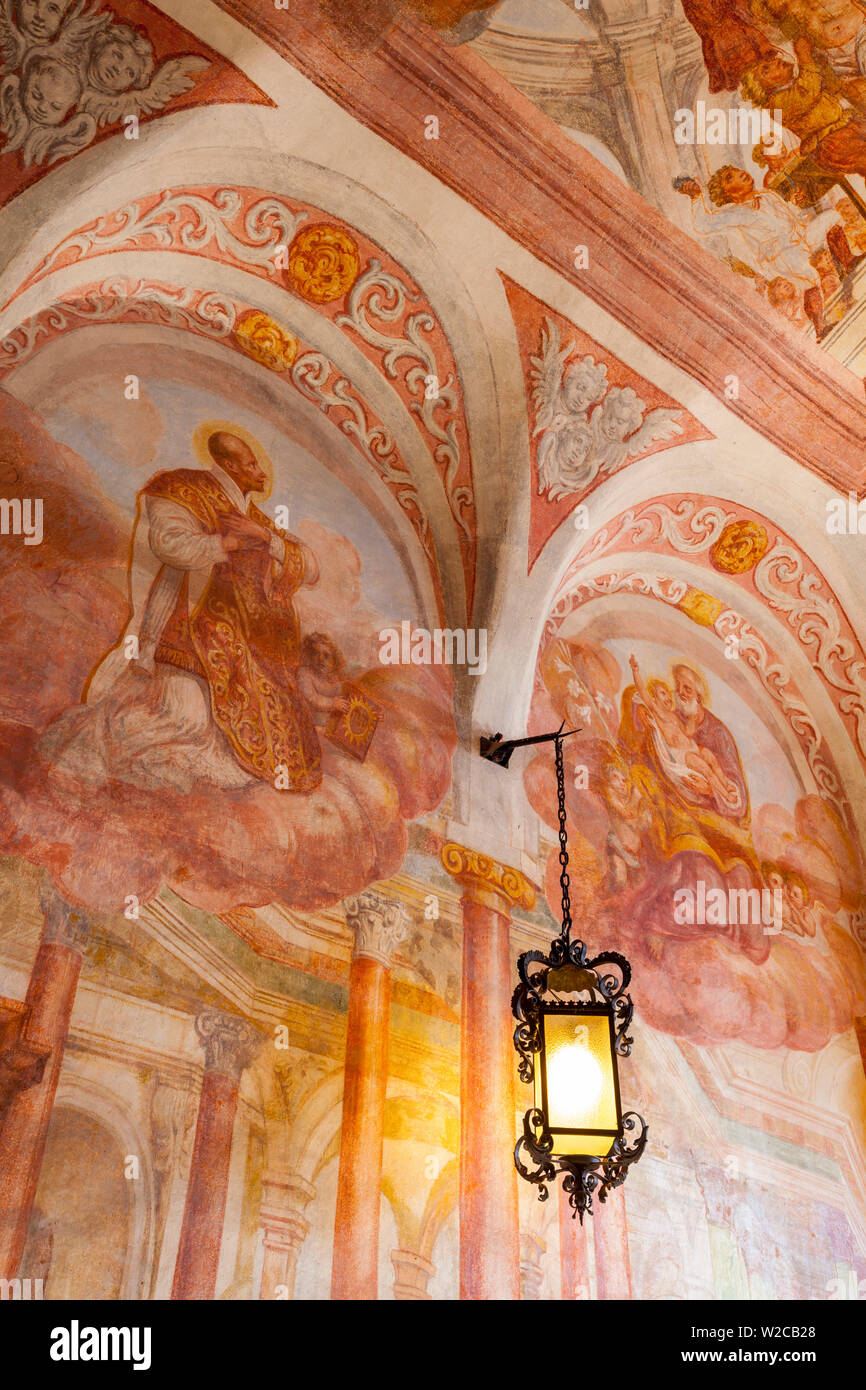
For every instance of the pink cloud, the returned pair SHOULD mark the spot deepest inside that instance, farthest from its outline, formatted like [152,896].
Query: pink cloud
[103,839]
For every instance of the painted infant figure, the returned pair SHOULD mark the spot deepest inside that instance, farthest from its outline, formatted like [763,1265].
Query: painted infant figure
[40,20]
[49,89]
[630,814]
[121,60]
[321,673]
[704,767]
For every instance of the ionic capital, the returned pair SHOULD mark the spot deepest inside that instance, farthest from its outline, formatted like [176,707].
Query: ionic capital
[229,1042]
[379,925]
[486,881]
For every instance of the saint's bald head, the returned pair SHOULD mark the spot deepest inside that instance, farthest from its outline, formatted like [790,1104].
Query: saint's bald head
[237,459]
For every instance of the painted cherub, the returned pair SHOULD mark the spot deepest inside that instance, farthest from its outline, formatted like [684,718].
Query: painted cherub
[680,756]
[563,390]
[801,914]
[630,814]
[66,26]
[623,427]
[38,109]
[321,673]
[122,78]
[24,23]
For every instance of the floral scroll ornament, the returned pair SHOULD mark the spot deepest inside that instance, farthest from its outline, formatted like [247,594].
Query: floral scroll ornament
[70,68]
[324,263]
[262,338]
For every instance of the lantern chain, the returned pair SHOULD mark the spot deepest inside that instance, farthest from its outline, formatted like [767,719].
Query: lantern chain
[564,880]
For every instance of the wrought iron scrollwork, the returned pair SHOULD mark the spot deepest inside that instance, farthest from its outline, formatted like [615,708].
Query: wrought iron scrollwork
[582,977]
[584,1177]
[602,980]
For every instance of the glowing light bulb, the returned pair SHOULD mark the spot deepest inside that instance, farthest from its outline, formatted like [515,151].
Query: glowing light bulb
[575,1080]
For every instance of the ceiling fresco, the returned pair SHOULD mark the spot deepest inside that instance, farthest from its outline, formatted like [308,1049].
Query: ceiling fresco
[73,74]
[378,379]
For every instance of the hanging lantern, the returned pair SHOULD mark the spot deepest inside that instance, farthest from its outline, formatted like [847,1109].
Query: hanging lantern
[573,1016]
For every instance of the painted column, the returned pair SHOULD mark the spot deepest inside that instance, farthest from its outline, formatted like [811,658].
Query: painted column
[612,1263]
[531,1273]
[229,1043]
[25,1120]
[285,1228]
[172,1117]
[489,1236]
[411,1274]
[378,924]
[573,1250]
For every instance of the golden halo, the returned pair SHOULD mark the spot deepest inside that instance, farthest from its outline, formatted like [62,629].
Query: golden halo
[202,434]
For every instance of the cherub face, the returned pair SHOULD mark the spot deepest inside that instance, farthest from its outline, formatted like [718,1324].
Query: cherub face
[797,894]
[583,385]
[622,413]
[324,657]
[116,67]
[41,19]
[49,92]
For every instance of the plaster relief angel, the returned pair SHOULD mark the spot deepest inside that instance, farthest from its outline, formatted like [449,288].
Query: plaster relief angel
[37,109]
[24,23]
[66,27]
[621,430]
[562,400]
[122,78]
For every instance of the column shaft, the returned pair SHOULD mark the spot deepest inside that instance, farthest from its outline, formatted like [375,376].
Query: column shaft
[378,924]
[489,1239]
[573,1251]
[612,1263]
[25,1121]
[355,1272]
[201,1235]
[274,1266]
[229,1044]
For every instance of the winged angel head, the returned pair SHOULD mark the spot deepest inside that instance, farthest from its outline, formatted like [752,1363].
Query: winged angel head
[69,69]
[585,425]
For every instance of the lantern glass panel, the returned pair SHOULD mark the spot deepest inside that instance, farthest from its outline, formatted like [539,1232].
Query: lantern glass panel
[581,1091]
